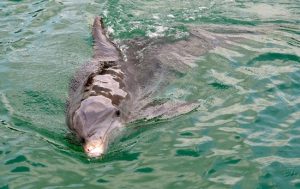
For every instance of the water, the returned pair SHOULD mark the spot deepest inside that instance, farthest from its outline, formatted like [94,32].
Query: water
[244,135]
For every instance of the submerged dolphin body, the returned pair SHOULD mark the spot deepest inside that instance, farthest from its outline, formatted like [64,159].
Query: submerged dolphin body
[108,92]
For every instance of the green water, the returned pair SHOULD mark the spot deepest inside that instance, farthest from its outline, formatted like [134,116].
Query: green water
[246,134]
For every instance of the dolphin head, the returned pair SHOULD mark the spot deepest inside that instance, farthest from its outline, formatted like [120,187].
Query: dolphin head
[95,122]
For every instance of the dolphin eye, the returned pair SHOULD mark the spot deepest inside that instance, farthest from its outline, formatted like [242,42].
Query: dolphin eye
[118,113]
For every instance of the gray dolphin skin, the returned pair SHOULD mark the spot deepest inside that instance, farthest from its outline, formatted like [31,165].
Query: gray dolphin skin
[115,88]
[96,92]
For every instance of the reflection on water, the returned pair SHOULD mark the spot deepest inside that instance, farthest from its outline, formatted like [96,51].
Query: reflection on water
[245,134]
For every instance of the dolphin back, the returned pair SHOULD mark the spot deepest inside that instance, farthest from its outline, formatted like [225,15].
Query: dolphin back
[104,49]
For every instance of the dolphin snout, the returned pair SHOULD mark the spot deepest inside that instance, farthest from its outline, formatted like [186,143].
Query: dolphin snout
[94,148]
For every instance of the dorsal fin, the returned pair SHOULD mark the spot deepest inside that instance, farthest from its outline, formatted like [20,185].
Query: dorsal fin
[104,49]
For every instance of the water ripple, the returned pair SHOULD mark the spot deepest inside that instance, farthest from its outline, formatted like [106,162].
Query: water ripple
[266,161]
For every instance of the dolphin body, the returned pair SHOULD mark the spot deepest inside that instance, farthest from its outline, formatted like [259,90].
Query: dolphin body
[115,88]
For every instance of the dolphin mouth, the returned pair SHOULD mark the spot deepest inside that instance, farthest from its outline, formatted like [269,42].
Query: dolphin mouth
[94,148]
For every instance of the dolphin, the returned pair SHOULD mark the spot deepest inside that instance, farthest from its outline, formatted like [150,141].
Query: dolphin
[117,87]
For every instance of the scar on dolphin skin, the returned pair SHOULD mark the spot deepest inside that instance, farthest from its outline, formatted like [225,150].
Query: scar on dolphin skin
[108,92]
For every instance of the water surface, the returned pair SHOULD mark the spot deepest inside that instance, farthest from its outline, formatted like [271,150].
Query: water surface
[246,133]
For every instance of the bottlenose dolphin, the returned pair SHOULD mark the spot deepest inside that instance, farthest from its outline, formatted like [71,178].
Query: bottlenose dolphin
[116,87]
